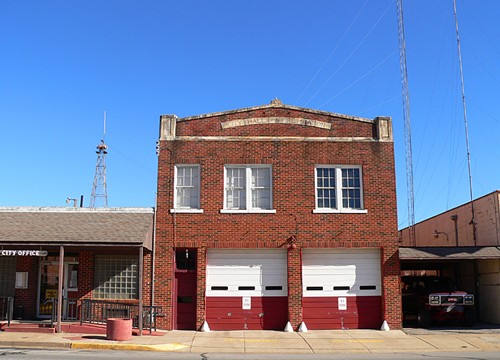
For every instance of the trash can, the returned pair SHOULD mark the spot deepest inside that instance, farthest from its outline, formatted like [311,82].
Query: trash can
[118,329]
[18,312]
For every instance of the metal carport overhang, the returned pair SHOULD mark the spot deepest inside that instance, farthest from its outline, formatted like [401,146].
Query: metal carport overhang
[449,253]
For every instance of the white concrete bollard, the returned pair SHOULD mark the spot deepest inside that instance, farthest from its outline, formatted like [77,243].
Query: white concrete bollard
[288,327]
[205,327]
[302,327]
[385,326]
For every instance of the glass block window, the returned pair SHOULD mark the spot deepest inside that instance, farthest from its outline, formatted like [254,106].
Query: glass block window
[7,275]
[187,187]
[116,277]
[338,187]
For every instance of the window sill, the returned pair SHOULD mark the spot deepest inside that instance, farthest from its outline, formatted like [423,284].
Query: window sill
[252,211]
[339,211]
[186,211]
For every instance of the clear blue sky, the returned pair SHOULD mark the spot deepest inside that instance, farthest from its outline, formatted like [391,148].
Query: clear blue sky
[63,63]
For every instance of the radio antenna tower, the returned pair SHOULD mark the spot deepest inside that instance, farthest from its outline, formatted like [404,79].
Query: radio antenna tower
[407,124]
[99,195]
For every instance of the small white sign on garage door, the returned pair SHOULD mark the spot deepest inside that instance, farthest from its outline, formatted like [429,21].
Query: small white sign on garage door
[342,303]
[246,303]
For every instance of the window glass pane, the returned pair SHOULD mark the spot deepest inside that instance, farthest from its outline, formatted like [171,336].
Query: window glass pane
[261,177]
[325,189]
[187,190]
[185,259]
[235,188]
[261,188]
[351,189]
[261,198]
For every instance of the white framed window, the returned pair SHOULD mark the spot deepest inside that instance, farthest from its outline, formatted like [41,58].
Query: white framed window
[186,188]
[338,188]
[248,188]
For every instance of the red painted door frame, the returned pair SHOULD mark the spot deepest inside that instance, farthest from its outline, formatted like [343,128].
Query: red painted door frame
[185,286]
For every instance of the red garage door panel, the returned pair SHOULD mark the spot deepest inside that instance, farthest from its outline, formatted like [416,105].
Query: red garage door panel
[322,313]
[267,313]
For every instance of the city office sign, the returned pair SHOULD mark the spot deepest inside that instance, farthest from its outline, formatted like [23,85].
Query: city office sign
[23,253]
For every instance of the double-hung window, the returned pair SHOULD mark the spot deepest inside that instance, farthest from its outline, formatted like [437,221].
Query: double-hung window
[338,189]
[248,188]
[187,188]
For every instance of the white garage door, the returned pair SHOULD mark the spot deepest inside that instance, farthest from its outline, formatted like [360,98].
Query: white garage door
[341,288]
[246,289]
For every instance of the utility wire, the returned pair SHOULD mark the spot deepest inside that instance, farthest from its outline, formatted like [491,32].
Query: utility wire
[350,55]
[332,52]
[359,79]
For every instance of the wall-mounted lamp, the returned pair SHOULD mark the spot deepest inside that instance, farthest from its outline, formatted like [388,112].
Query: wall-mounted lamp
[290,243]
[68,200]
[437,233]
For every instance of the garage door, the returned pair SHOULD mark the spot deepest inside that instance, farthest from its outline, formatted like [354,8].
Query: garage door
[246,289]
[341,288]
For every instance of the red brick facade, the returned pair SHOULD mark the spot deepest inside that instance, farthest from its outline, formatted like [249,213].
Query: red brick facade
[293,141]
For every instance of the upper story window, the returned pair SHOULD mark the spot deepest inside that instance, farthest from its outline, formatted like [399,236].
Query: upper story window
[338,189]
[248,188]
[187,188]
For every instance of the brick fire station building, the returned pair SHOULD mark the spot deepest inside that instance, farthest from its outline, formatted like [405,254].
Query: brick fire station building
[275,214]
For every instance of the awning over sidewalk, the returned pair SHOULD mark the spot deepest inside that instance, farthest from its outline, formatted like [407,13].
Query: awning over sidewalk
[449,253]
[49,226]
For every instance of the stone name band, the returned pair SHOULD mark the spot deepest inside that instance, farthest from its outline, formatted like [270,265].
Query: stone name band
[23,253]
[276,120]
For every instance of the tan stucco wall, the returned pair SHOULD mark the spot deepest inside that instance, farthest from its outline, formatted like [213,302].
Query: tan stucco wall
[443,230]
[489,289]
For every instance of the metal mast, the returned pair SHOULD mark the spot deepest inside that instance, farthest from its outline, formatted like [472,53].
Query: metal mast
[99,195]
[407,124]
[473,221]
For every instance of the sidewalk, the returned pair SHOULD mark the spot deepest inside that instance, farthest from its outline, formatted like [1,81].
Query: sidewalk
[311,342]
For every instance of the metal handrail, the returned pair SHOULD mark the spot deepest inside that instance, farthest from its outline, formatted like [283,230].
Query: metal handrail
[6,308]
[98,311]
[69,315]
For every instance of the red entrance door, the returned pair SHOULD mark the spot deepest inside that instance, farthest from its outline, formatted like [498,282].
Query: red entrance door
[185,285]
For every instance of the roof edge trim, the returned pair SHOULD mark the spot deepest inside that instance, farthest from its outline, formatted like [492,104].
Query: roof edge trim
[274,106]
[47,209]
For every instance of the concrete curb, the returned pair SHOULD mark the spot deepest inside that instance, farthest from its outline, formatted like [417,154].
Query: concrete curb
[35,345]
[128,347]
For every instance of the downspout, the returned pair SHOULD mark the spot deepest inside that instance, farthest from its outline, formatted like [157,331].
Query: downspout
[454,218]
[141,278]
[153,253]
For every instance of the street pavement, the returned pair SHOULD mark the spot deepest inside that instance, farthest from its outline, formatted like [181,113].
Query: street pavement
[270,342]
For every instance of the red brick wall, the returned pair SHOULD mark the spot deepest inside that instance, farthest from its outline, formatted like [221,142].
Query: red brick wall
[85,274]
[27,297]
[293,165]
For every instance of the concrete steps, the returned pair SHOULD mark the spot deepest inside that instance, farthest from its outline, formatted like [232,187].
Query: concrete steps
[29,328]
